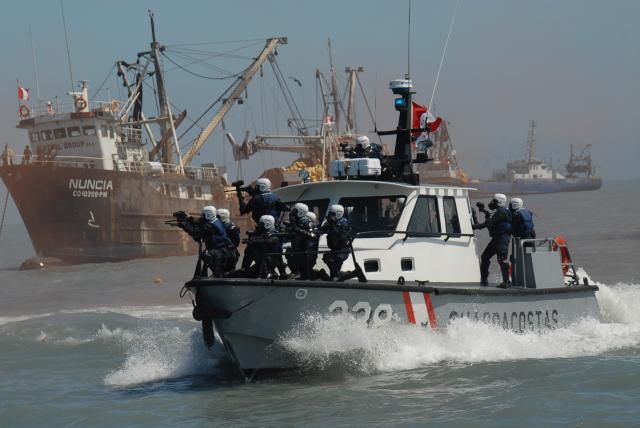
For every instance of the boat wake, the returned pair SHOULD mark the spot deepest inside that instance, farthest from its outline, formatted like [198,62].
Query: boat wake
[324,342]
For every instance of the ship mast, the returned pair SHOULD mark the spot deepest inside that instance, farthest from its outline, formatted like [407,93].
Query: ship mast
[242,83]
[351,92]
[531,142]
[163,100]
[335,94]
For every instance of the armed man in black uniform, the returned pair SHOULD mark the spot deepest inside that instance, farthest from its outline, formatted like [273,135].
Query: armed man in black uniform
[268,247]
[209,230]
[262,202]
[300,232]
[364,149]
[233,233]
[499,225]
[522,220]
[338,230]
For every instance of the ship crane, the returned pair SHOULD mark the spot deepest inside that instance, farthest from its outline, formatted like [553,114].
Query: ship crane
[240,86]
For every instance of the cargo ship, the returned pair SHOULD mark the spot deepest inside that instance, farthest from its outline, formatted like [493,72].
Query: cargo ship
[99,183]
[531,175]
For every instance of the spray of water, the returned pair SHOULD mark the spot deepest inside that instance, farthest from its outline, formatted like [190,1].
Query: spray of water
[322,341]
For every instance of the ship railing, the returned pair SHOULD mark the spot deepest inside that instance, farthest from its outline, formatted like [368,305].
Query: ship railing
[131,135]
[159,168]
[68,161]
[141,167]
[53,107]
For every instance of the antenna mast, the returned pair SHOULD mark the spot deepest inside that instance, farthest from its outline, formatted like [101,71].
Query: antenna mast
[66,39]
[35,64]
[409,43]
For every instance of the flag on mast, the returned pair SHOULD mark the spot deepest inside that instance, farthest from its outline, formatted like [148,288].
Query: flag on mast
[422,118]
[23,94]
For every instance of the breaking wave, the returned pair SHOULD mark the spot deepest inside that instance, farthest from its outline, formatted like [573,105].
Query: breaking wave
[152,355]
[323,341]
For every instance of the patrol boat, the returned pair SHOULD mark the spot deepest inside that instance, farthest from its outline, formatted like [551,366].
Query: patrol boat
[417,255]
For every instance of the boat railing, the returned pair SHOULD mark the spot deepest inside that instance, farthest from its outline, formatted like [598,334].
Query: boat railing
[51,108]
[141,167]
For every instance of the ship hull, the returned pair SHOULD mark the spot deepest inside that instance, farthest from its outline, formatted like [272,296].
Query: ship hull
[252,316]
[520,187]
[92,215]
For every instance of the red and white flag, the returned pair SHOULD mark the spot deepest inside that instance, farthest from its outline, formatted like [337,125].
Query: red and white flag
[422,118]
[23,94]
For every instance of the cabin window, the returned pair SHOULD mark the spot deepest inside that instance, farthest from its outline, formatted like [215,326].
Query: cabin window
[190,192]
[451,219]
[406,264]
[371,266]
[34,137]
[104,131]
[198,192]
[60,133]
[111,132]
[89,130]
[46,135]
[317,206]
[374,216]
[74,131]
[425,220]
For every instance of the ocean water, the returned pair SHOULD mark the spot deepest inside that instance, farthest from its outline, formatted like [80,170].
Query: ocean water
[113,345]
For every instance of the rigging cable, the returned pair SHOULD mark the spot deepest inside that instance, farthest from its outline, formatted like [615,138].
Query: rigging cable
[444,51]
[293,107]
[207,110]
[164,54]
[4,210]
[103,82]
[375,126]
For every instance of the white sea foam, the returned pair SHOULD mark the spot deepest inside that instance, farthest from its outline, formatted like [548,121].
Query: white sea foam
[320,341]
[154,355]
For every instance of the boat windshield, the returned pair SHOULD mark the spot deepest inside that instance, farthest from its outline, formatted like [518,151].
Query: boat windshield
[317,206]
[376,215]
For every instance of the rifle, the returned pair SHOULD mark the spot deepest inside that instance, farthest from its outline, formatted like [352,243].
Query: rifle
[239,188]
[358,270]
[179,218]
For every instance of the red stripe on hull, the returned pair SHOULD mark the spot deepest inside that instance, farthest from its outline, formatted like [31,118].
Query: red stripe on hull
[409,307]
[433,322]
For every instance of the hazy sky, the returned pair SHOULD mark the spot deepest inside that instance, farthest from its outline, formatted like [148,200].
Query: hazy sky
[571,65]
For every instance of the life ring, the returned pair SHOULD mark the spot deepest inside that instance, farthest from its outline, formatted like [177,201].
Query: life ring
[81,103]
[24,111]
[115,105]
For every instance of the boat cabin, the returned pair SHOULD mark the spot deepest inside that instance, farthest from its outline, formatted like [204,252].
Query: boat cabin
[83,134]
[421,233]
